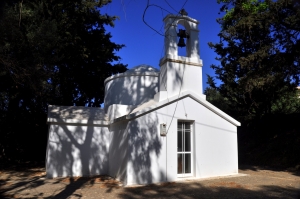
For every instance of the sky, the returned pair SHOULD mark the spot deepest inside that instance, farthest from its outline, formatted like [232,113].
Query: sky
[144,45]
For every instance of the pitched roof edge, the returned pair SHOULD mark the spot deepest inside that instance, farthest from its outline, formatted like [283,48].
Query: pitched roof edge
[78,122]
[148,109]
[175,98]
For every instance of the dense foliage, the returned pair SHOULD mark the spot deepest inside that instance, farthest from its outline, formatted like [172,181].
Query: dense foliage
[259,69]
[51,52]
[259,54]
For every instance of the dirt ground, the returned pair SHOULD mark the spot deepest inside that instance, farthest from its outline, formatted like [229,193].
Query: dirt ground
[258,183]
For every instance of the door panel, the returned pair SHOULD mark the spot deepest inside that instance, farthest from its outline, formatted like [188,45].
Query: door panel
[184,149]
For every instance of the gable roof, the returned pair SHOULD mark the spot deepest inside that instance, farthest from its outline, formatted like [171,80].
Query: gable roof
[153,105]
[96,116]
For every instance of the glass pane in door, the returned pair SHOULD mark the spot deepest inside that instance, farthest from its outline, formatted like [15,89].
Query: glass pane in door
[187,126]
[179,141]
[187,141]
[180,163]
[187,163]
[180,126]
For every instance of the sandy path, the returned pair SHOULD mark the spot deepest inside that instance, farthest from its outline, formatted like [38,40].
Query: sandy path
[259,183]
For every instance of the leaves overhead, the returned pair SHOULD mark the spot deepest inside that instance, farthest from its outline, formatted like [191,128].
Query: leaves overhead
[259,54]
[58,48]
[52,52]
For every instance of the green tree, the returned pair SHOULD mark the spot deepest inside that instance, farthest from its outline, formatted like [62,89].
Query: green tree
[213,96]
[51,52]
[259,55]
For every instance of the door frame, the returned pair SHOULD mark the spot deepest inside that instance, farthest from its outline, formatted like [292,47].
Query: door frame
[191,174]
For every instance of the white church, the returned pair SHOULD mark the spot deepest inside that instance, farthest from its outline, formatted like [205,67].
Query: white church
[156,125]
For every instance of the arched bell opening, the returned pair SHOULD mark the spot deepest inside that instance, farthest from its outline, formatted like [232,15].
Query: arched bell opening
[183,38]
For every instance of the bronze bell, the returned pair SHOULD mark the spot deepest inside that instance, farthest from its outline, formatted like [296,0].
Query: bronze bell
[181,42]
[182,34]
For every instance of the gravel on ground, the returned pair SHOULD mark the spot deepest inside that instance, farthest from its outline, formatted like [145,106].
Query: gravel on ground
[258,183]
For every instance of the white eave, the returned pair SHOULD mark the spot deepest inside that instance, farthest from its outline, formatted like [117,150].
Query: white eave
[97,117]
[77,115]
[139,70]
[152,106]
[155,74]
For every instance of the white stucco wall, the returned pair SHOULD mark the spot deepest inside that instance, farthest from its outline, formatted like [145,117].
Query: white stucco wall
[117,110]
[118,151]
[178,77]
[133,87]
[134,152]
[146,151]
[215,139]
[75,150]
[153,158]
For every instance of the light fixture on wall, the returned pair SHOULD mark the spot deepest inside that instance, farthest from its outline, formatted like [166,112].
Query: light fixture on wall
[182,34]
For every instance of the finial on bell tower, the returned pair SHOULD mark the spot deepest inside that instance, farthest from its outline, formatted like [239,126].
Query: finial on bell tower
[183,12]
[182,33]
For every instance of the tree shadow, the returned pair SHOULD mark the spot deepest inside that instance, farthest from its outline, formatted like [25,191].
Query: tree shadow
[58,188]
[271,141]
[145,146]
[242,187]
[293,171]
[17,179]
[131,88]
[84,182]
[77,149]
[212,190]
[134,150]
[24,184]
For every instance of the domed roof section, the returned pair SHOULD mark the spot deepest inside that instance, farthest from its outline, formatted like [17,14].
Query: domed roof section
[143,68]
[138,70]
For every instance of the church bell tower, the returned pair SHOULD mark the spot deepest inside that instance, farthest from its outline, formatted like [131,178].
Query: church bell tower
[180,73]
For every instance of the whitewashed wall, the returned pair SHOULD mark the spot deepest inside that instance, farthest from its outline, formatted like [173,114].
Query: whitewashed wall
[75,150]
[134,87]
[153,158]
[118,151]
[215,140]
[146,151]
[135,153]
[179,77]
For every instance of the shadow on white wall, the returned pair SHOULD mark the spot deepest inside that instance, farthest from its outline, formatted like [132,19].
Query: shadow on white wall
[77,150]
[145,148]
[133,87]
